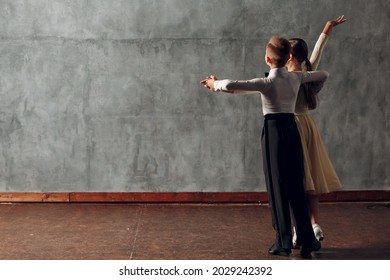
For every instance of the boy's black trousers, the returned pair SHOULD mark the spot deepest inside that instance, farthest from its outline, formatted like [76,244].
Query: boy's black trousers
[284,171]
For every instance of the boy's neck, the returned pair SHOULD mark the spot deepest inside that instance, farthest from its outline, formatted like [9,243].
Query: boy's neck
[276,67]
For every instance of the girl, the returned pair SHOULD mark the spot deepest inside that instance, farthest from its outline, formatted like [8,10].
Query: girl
[320,176]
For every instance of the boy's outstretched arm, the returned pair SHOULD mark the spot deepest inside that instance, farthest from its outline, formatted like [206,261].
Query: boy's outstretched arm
[234,86]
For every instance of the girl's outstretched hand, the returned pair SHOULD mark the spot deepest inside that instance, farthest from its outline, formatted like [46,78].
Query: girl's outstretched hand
[332,23]
[337,21]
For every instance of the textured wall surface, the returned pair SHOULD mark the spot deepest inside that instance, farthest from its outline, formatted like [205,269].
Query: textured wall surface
[101,95]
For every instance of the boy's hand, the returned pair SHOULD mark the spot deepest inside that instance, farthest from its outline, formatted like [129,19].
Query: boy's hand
[209,82]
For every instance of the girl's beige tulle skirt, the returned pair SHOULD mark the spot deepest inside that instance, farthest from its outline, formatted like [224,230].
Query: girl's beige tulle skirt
[320,175]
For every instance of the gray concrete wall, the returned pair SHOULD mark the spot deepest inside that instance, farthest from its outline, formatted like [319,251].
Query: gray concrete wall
[101,95]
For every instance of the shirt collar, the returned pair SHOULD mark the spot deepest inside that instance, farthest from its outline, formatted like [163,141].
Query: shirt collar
[277,71]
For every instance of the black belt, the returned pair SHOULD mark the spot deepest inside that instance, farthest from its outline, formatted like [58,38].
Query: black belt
[279,116]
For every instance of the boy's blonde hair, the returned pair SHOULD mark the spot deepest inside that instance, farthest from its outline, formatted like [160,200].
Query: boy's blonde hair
[278,50]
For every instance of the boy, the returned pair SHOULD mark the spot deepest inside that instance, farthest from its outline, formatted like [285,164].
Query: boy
[281,144]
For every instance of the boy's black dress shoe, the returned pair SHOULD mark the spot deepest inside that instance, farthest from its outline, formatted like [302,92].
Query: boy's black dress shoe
[306,251]
[277,250]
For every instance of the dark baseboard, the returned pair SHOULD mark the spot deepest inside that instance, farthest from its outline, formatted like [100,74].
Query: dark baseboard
[178,197]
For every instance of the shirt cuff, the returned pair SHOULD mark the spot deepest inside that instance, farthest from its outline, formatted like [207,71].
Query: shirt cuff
[220,85]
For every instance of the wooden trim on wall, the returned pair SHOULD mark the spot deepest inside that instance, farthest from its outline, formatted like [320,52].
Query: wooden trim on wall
[179,197]
[170,197]
[34,197]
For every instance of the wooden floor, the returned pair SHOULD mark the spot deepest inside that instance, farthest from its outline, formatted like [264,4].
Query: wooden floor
[70,231]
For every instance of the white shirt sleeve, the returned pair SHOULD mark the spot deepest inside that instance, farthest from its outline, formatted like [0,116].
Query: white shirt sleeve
[220,85]
[241,87]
